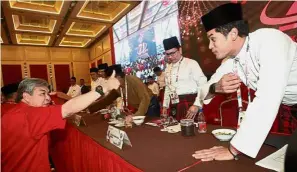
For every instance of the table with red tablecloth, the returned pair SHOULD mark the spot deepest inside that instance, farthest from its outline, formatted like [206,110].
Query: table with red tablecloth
[84,148]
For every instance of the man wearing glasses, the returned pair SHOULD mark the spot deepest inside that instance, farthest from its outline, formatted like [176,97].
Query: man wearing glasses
[183,77]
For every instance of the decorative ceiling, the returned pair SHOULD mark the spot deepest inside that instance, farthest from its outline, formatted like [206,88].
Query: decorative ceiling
[59,23]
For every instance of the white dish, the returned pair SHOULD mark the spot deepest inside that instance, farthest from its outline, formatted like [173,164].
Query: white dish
[138,117]
[152,124]
[224,134]
[104,111]
[172,131]
[164,129]
[138,120]
[113,122]
[120,125]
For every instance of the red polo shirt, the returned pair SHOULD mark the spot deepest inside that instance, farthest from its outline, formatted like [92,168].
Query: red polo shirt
[5,107]
[25,139]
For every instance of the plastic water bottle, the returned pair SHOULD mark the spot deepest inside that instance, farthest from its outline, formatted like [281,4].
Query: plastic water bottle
[201,122]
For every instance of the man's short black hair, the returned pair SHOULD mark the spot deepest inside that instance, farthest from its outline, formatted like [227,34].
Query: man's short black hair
[109,72]
[82,79]
[94,69]
[157,69]
[241,25]
[73,78]
[9,89]
[120,74]
[150,77]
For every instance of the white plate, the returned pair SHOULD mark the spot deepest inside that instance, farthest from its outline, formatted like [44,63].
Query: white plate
[224,134]
[104,111]
[120,125]
[138,117]
[114,122]
[172,131]
[152,124]
[164,129]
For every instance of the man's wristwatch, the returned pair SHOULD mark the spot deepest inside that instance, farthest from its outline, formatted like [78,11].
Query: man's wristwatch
[212,88]
[99,90]
[235,155]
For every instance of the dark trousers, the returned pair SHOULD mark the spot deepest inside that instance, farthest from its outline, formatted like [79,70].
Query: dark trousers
[154,107]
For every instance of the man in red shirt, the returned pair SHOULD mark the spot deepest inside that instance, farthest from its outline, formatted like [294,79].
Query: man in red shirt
[9,93]
[25,128]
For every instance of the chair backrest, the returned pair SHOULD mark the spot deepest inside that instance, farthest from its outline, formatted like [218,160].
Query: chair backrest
[229,110]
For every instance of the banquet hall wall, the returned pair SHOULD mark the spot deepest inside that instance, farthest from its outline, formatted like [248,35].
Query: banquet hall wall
[101,52]
[16,60]
[193,39]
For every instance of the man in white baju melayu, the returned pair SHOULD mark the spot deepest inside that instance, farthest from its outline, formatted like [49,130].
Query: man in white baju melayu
[265,61]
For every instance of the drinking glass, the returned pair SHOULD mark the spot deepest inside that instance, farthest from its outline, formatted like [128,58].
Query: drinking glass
[165,120]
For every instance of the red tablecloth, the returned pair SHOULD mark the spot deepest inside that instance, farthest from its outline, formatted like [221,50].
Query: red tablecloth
[85,149]
[72,151]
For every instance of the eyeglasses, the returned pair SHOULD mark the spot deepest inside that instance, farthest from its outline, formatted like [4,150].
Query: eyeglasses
[170,54]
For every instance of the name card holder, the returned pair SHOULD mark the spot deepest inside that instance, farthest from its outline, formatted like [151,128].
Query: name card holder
[117,137]
[79,121]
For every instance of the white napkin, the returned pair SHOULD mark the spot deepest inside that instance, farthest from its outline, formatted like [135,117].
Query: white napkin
[152,124]
[174,128]
[116,122]
[275,161]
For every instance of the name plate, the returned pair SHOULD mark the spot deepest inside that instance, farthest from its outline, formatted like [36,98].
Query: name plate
[78,120]
[241,117]
[117,137]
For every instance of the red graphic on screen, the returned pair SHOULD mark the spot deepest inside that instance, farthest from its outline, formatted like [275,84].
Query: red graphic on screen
[235,1]
[283,20]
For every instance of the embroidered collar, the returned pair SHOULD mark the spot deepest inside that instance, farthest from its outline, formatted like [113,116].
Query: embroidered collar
[178,62]
[242,53]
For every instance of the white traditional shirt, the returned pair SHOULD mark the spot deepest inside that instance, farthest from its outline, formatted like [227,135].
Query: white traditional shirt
[155,88]
[189,77]
[268,65]
[100,81]
[74,91]
[161,80]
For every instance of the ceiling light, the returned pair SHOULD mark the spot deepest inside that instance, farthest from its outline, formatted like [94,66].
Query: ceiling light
[12,4]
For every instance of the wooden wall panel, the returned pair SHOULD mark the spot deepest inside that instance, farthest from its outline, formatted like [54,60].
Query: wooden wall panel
[94,62]
[101,50]
[60,54]
[80,55]
[92,53]
[36,53]
[80,59]
[107,58]
[81,71]
[12,53]
[98,49]
[106,43]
